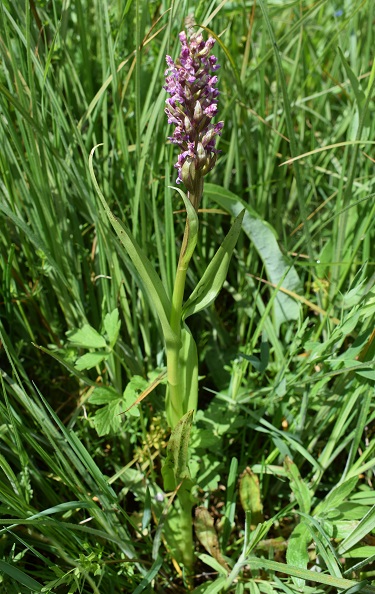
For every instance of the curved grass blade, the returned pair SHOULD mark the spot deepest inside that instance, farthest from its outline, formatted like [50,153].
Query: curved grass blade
[305,574]
[149,278]
[20,577]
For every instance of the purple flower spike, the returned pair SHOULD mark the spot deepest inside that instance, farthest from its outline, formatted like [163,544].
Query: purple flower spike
[190,83]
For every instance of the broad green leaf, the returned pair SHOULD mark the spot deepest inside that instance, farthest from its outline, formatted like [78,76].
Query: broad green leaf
[215,274]
[103,395]
[207,535]
[179,527]
[147,274]
[250,496]
[88,338]
[350,322]
[90,360]
[175,468]
[361,343]
[361,552]
[108,418]
[204,470]
[297,553]
[204,439]
[176,475]
[348,511]
[365,496]
[339,529]
[211,562]
[112,326]
[263,237]
[299,488]
[336,496]
[136,385]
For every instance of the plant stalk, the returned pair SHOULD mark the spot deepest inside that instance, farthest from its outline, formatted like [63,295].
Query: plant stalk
[175,397]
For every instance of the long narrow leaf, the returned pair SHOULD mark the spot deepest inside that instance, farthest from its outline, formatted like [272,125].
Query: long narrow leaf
[215,274]
[148,276]
[20,577]
[365,526]
[305,574]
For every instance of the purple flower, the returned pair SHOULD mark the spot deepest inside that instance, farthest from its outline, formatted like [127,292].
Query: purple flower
[191,106]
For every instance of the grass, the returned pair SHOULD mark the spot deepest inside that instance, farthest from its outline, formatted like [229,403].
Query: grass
[286,354]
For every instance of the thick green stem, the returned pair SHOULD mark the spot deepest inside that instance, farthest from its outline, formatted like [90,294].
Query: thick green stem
[175,399]
[182,374]
[179,533]
[186,530]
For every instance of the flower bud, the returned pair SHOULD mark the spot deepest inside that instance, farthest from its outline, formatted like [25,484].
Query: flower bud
[201,155]
[188,125]
[210,164]
[208,137]
[198,112]
[188,174]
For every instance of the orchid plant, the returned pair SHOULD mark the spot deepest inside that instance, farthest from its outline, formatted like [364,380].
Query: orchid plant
[191,107]
[191,83]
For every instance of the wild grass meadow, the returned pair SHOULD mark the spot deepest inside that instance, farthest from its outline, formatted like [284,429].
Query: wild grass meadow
[107,484]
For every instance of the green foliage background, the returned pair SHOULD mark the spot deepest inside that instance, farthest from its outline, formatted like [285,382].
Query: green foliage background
[287,351]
